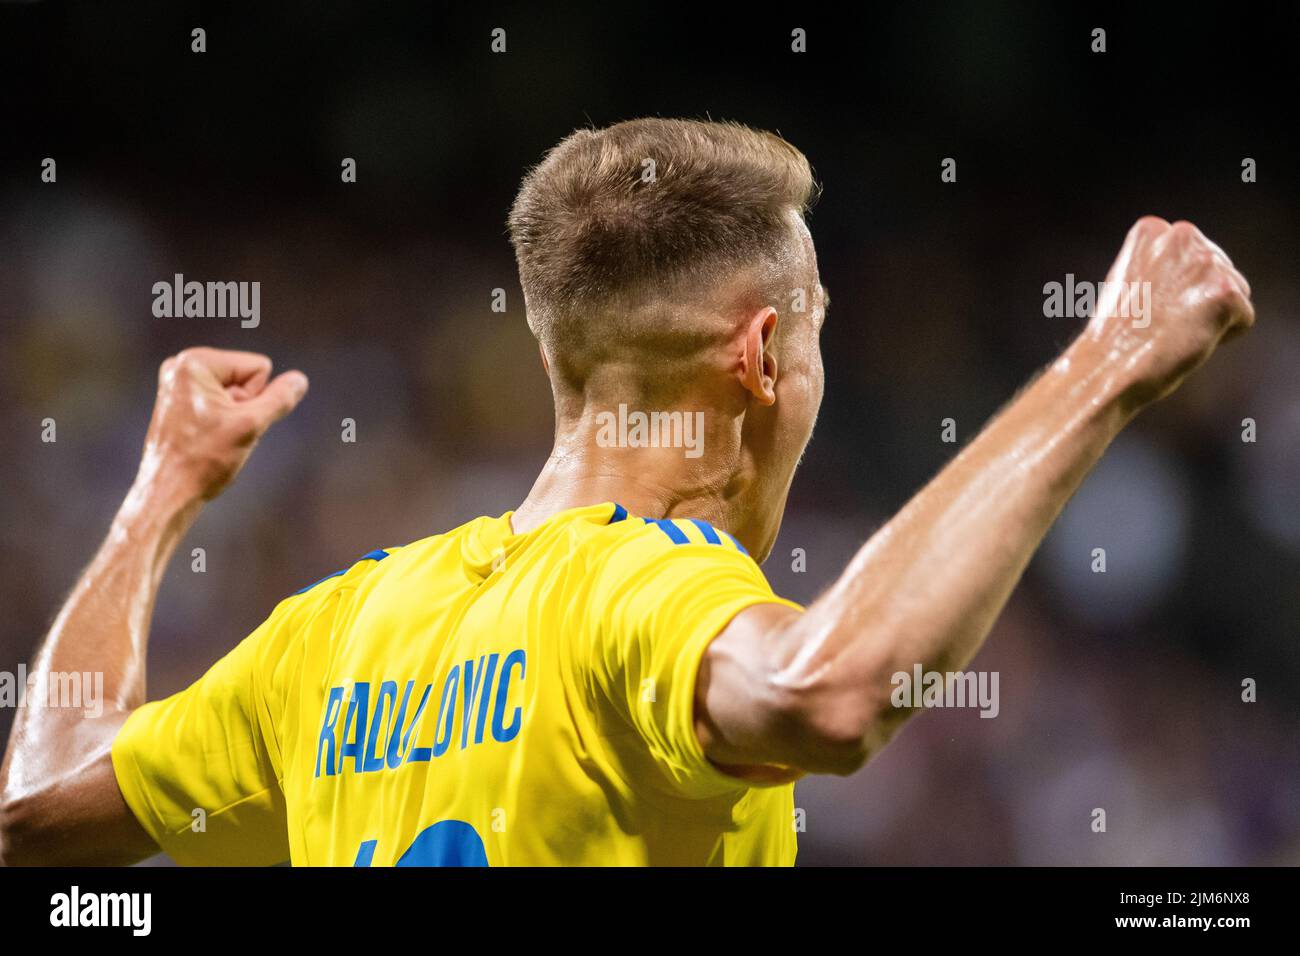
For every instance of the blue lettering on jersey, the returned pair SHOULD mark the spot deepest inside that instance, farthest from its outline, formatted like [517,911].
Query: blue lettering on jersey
[381,737]
[358,708]
[506,734]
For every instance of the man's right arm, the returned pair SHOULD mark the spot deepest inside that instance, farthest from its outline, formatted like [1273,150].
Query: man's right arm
[811,690]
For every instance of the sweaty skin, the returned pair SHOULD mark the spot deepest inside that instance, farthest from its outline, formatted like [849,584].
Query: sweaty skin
[60,800]
[779,692]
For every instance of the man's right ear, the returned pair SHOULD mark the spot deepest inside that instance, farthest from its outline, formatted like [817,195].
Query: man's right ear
[757,369]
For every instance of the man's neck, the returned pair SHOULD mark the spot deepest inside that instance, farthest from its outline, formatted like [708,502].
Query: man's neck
[648,482]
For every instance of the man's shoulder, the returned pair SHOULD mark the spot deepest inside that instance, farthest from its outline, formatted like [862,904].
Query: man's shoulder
[373,563]
[672,533]
[638,546]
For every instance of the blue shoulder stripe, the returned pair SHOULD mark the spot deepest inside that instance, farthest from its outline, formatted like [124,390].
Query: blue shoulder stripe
[739,547]
[675,534]
[377,555]
[706,529]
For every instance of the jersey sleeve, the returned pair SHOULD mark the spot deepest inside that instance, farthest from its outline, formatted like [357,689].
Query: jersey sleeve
[201,770]
[658,604]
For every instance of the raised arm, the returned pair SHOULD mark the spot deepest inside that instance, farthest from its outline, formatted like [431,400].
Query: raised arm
[811,691]
[59,798]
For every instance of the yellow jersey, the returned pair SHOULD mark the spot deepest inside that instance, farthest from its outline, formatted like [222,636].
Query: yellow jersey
[479,697]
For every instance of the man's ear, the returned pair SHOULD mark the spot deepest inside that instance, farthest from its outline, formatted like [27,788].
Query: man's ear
[757,357]
[546,363]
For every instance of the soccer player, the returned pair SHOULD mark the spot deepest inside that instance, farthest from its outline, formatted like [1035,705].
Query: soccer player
[602,675]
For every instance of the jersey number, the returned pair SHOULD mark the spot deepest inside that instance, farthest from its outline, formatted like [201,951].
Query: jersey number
[446,843]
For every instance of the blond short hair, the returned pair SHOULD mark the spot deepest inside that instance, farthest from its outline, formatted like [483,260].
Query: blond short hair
[595,235]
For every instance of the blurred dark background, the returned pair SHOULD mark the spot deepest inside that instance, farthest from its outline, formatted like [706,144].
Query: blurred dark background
[1119,690]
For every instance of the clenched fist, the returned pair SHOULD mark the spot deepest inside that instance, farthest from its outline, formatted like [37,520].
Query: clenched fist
[212,407]
[1170,298]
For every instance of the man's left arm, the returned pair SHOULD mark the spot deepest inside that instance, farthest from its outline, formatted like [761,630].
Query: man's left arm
[59,798]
